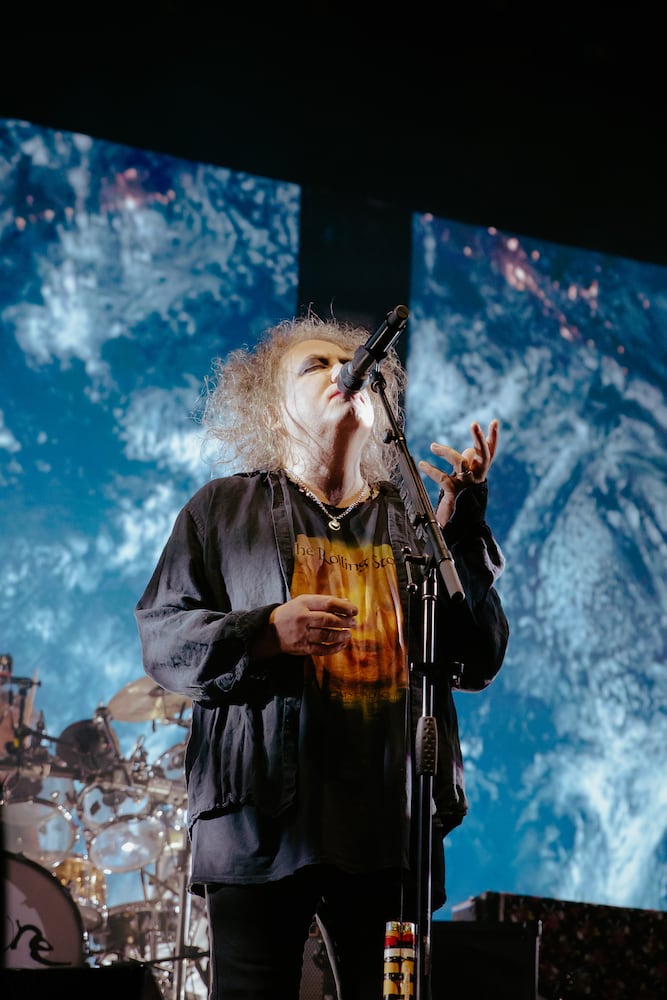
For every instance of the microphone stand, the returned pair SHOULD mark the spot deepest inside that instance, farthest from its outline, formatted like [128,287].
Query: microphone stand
[438,567]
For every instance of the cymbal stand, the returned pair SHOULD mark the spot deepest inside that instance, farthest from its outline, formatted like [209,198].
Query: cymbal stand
[102,720]
[184,912]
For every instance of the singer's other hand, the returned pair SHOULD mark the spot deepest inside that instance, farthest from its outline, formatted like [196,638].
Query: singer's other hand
[308,624]
[468,466]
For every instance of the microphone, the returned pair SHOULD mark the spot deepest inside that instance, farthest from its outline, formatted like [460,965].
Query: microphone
[353,376]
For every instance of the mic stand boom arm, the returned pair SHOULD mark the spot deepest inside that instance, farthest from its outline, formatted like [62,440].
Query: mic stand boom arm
[438,566]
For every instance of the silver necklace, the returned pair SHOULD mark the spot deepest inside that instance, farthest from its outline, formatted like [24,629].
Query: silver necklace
[335,519]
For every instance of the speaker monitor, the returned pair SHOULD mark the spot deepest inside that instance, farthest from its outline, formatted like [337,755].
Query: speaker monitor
[498,961]
[586,949]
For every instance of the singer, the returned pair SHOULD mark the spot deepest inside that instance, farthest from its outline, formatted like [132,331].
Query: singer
[280,604]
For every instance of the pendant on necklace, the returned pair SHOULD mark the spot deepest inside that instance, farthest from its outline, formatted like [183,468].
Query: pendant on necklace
[333,520]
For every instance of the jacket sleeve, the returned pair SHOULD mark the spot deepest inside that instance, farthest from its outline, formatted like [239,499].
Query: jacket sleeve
[474,632]
[192,642]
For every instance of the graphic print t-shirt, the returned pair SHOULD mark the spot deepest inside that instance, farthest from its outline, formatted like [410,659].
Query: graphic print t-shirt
[356,563]
[353,713]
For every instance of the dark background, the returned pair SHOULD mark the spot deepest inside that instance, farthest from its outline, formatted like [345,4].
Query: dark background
[548,125]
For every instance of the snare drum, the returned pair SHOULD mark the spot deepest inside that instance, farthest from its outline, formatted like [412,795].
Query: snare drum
[87,886]
[43,927]
[36,818]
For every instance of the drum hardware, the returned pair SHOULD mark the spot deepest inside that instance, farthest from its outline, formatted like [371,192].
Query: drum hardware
[37,769]
[194,984]
[139,757]
[21,682]
[152,778]
[183,911]
[165,791]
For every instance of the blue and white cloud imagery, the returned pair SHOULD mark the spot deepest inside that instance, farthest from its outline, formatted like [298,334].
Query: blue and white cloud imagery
[566,760]
[124,273]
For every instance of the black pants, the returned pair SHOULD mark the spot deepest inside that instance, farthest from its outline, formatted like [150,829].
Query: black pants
[257,933]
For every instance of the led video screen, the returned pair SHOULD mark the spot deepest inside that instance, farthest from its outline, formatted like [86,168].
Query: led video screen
[566,750]
[124,273]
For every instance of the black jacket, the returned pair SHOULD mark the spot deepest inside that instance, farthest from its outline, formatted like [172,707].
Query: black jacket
[226,565]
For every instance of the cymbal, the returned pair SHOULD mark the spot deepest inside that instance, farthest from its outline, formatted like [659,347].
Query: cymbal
[143,700]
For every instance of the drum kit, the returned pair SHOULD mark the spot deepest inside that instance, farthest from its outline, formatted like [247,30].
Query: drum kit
[129,815]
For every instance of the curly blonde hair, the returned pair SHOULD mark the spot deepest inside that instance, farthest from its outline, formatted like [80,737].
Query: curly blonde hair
[244,426]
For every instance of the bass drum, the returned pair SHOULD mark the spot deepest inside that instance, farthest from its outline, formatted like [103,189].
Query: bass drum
[43,926]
